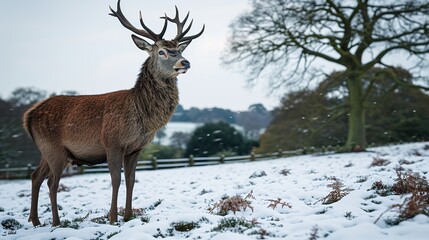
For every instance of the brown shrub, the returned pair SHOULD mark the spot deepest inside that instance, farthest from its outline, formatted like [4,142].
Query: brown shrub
[275,202]
[337,193]
[378,162]
[234,204]
[417,203]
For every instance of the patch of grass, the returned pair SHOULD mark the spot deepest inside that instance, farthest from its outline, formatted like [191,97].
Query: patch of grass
[258,174]
[69,224]
[204,191]
[154,205]
[349,215]
[381,188]
[233,224]
[314,233]
[362,179]
[112,234]
[262,233]
[101,220]
[136,212]
[11,224]
[169,233]
[145,219]
[184,226]
[75,222]
[415,152]
[348,165]
[323,211]
[285,172]
[406,162]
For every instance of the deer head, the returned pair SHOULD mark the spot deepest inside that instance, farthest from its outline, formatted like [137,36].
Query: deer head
[166,55]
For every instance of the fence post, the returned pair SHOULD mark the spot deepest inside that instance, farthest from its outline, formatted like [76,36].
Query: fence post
[252,156]
[280,153]
[28,171]
[6,166]
[191,160]
[154,163]
[222,159]
[304,151]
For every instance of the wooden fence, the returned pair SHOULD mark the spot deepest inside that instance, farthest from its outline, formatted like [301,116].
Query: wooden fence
[152,164]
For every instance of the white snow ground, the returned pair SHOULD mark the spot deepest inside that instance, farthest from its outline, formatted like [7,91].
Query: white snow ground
[175,196]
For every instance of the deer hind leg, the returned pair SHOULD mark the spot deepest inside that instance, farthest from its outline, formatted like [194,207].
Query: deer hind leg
[37,178]
[130,163]
[114,161]
[57,164]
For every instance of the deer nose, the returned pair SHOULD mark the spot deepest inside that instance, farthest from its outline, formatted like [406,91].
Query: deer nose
[186,64]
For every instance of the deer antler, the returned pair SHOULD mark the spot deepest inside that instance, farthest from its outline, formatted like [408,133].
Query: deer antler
[180,37]
[144,33]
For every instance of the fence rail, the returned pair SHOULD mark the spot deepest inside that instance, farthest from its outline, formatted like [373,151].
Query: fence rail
[152,164]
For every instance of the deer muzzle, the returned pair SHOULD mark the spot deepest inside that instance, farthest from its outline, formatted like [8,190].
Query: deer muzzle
[182,66]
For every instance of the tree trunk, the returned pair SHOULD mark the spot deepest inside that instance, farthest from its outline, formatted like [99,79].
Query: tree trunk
[356,140]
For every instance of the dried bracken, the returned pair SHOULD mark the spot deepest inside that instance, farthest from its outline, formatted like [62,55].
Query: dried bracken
[378,162]
[409,182]
[234,204]
[337,193]
[416,203]
[250,195]
[274,202]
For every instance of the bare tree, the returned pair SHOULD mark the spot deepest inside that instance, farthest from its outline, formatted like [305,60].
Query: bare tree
[286,37]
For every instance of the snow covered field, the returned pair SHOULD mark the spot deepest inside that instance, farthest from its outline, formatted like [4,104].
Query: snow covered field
[173,204]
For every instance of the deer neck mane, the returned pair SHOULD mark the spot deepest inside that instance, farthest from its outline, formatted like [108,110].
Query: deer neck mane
[155,96]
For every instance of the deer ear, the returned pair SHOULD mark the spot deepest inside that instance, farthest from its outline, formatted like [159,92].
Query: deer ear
[183,45]
[142,44]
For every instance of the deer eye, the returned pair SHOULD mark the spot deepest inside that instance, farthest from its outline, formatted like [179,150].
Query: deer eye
[172,53]
[161,53]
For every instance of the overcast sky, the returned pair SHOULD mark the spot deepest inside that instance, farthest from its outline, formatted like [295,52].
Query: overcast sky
[75,45]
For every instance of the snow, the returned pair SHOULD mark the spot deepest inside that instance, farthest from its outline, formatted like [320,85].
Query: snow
[184,195]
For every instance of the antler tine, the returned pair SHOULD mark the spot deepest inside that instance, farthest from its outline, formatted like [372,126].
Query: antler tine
[156,36]
[180,24]
[178,37]
[161,34]
[184,39]
[145,33]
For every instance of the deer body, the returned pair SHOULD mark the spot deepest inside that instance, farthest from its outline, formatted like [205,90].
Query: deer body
[111,127]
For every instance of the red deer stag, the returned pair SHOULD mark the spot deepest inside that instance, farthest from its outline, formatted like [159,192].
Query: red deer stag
[111,127]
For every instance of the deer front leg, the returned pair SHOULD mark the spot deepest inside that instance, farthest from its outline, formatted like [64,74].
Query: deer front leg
[114,161]
[130,163]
